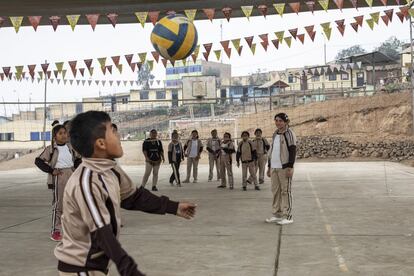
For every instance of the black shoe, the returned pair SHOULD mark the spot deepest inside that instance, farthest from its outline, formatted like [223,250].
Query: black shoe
[231,188]
[172,183]
[178,185]
[257,188]
[244,189]
[154,188]
[221,186]
[248,182]
[261,181]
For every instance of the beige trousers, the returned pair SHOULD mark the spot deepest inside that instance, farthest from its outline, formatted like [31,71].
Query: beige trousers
[192,162]
[153,167]
[213,160]
[57,209]
[90,273]
[252,170]
[226,166]
[282,194]
[261,164]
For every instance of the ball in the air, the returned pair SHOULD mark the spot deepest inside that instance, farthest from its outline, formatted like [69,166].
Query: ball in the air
[174,37]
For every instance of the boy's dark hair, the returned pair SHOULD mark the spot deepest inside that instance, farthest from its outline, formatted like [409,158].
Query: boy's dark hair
[153,130]
[245,132]
[227,133]
[257,130]
[56,129]
[86,128]
[214,130]
[115,126]
[283,116]
[195,131]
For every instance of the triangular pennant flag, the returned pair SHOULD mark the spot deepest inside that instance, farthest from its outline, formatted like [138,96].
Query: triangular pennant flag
[97,82]
[276,43]
[264,45]
[55,21]
[280,35]
[34,21]
[369,2]
[56,73]
[51,81]
[118,82]
[78,82]
[264,38]
[73,20]
[311,5]
[44,67]
[359,20]
[19,71]
[6,71]
[142,17]
[88,63]
[82,71]
[340,22]
[205,54]
[218,54]
[125,82]
[32,70]
[239,51]
[115,60]
[133,66]
[341,29]
[103,68]
[153,16]
[196,51]
[370,23]
[191,14]
[151,64]
[225,44]
[312,36]
[64,74]
[156,56]
[359,64]
[184,62]
[228,52]
[301,37]
[113,18]
[309,29]
[324,4]
[48,74]
[339,4]
[72,65]
[208,47]
[253,48]
[83,82]
[248,39]
[236,43]
[288,41]
[280,8]
[119,67]
[142,57]
[158,82]
[111,82]
[389,14]
[355,4]
[400,16]
[375,17]
[293,32]
[328,32]
[326,25]
[384,2]
[65,81]
[59,66]
[58,81]
[295,7]
[103,82]
[263,10]
[89,82]
[404,10]
[209,13]
[90,71]
[164,61]
[247,11]
[129,58]
[109,68]
[385,19]
[227,12]
[16,22]
[194,57]
[102,61]
[1,76]
[131,83]
[2,20]
[92,19]
[71,82]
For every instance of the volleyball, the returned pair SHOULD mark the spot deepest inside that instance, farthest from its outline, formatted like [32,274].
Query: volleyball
[174,37]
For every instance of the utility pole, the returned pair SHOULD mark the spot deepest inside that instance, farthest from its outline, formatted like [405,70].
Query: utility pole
[324,48]
[45,111]
[221,37]
[411,72]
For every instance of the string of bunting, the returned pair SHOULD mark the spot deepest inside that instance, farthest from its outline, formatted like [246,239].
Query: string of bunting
[108,65]
[209,13]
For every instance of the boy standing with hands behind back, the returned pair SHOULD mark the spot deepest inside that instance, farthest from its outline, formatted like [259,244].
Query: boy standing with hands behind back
[246,153]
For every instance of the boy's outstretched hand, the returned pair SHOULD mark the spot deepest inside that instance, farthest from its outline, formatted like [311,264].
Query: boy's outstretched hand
[186,210]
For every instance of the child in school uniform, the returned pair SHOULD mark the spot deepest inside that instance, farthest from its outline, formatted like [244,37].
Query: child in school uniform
[58,161]
[192,150]
[225,160]
[94,195]
[247,155]
[154,155]
[262,147]
[175,156]
[213,148]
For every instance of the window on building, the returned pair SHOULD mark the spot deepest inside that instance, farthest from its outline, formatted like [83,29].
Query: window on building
[345,76]
[170,71]
[144,95]
[160,95]
[291,79]
[124,100]
[39,136]
[332,77]
[316,78]
[7,136]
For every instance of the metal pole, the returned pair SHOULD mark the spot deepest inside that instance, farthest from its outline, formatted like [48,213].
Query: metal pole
[45,111]
[411,72]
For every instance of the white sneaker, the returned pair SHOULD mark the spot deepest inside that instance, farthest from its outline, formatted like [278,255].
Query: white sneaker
[273,220]
[285,221]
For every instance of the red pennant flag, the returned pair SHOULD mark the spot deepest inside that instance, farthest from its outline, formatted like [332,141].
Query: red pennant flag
[264,44]
[400,16]
[115,60]
[109,68]
[164,61]
[2,19]
[54,20]
[404,10]
[172,63]
[340,22]
[293,32]
[263,10]
[240,50]
[311,5]
[309,29]
[208,47]
[276,43]
[225,44]
[264,37]
[88,63]
[227,51]
[209,13]
[32,70]
[103,68]
[44,67]
[295,7]
[194,57]
[359,20]
[389,14]
[227,13]
[153,16]
[82,71]
[92,19]
[72,65]
[205,54]
[249,40]
[1,76]
[341,29]
[355,4]
[355,26]
[113,18]
[6,71]
[385,19]
[384,2]
[56,73]
[312,36]
[156,56]
[339,4]
[48,74]
[129,58]
[133,65]
[34,21]
[301,37]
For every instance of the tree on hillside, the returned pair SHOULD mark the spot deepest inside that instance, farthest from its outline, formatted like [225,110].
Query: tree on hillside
[391,47]
[353,50]
[145,76]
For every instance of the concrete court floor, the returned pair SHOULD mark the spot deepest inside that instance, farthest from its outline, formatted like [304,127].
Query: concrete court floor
[351,218]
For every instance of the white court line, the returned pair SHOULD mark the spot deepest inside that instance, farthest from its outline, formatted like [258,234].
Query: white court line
[335,246]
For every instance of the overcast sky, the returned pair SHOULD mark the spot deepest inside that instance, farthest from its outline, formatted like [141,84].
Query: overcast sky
[30,47]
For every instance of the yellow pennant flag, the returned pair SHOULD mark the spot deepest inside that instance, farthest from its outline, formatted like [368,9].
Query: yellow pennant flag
[196,51]
[328,32]
[142,57]
[280,8]
[324,4]
[142,17]
[247,10]
[411,12]
[288,41]
[370,23]
[59,66]
[236,43]
[102,61]
[151,64]
[375,17]
[16,22]
[64,74]
[326,25]
[119,68]
[40,74]
[369,2]
[280,35]
[185,62]
[191,14]
[218,54]
[73,20]
[19,71]
[91,71]
[253,48]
